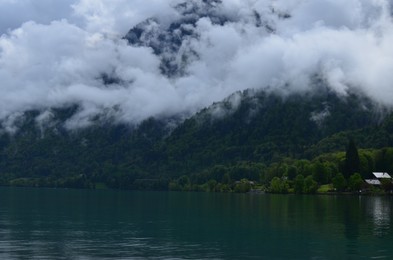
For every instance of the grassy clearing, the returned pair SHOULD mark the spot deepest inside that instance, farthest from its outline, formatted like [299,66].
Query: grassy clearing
[100,186]
[325,188]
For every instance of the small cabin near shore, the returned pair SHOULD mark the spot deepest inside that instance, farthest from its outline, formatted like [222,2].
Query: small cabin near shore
[378,177]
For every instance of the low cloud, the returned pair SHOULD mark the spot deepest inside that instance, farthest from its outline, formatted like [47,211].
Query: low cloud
[77,54]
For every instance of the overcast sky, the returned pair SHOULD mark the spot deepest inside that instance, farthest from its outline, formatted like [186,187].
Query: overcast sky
[52,54]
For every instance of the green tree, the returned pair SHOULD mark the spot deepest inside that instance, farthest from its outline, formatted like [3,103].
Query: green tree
[355,182]
[243,186]
[352,161]
[330,169]
[339,182]
[292,172]
[211,185]
[278,185]
[386,184]
[384,160]
[184,182]
[174,186]
[319,173]
[366,164]
[299,184]
[275,170]
[310,186]
[223,187]
[275,185]
[226,179]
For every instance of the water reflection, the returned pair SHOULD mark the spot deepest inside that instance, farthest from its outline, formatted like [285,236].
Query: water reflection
[381,210]
[47,224]
[351,214]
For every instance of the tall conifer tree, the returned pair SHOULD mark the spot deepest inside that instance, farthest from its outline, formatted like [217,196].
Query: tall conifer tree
[352,161]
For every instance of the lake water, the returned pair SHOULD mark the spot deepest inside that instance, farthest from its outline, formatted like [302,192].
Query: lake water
[83,224]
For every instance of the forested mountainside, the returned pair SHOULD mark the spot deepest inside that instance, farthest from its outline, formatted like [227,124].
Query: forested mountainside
[193,91]
[247,128]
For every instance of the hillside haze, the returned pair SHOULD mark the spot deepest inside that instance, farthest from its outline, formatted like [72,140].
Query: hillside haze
[132,96]
[257,128]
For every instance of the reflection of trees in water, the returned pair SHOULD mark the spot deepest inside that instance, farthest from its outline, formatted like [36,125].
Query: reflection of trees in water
[381,209]
[349,225]
[351,219]
[358,212]
[362,212]
[352,214]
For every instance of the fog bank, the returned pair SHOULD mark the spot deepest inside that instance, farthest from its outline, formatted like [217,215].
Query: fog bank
[54,54]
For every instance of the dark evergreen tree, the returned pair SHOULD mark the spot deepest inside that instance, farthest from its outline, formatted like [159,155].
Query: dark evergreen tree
[352,161]
[299,184]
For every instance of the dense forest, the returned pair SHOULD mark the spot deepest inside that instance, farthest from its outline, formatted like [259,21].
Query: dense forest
[275,142]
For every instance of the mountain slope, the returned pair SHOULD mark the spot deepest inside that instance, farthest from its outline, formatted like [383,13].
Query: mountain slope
[248,126]
[267,127]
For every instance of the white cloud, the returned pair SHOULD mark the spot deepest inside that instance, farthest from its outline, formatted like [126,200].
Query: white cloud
[55,53]
[118,16]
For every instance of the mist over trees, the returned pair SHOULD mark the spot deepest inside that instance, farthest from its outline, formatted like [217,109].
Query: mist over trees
[195,95]
[267,141]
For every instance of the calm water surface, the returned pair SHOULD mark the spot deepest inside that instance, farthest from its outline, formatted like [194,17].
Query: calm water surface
[82,224]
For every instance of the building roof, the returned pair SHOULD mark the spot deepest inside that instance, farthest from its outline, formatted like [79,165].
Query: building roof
[382,175]
[373,182]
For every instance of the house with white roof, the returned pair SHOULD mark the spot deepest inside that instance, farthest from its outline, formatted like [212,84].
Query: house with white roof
[382,175]
[378,177]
